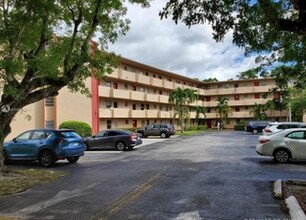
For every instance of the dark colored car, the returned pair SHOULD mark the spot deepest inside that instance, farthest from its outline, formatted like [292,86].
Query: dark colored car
[110,139]
[45,145]
[164,130]
[256,127]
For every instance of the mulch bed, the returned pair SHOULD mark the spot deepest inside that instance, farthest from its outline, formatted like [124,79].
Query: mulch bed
[297,189]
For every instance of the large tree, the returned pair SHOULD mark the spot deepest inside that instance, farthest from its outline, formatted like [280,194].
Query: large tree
[275,29]
[47,45]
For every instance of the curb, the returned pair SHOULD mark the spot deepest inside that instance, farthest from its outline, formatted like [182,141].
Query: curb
[295,210]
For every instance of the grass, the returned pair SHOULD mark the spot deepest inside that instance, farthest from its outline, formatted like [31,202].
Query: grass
[19,180]
[189,133]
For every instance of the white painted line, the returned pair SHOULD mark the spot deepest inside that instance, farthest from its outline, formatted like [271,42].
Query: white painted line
[278,189]
[295,210]
[189,216]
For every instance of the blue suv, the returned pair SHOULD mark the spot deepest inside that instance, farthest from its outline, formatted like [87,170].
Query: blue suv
[256,127]
[45,145]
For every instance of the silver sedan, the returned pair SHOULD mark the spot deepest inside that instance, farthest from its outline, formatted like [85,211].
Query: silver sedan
[289,144]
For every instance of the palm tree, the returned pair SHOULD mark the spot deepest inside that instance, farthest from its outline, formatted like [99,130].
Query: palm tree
[200,110]
[271,107]
[259,112]
[223,109]
[181,98]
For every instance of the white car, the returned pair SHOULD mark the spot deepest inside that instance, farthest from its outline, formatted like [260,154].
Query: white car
[279,126]
[289,144]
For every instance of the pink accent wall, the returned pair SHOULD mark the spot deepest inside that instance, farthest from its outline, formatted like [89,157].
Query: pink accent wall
[94,105]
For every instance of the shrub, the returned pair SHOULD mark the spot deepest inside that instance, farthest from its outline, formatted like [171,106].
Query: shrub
[82,128]
[191,128]
[202,127]
[239,127]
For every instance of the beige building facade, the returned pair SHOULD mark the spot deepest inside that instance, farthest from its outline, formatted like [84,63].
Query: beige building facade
[136,94]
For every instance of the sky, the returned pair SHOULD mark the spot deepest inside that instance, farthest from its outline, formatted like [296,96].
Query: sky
[178,49]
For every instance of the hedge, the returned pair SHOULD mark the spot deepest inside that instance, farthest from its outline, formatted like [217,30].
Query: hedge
[82,128]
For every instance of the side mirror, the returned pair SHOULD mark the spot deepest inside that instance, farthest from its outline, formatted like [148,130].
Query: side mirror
[14,140]
[94,136]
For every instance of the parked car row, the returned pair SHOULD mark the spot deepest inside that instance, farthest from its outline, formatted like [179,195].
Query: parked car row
[49,145]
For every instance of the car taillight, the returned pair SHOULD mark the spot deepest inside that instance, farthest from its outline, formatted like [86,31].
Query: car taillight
[267,130]
[133,136]
[262,141]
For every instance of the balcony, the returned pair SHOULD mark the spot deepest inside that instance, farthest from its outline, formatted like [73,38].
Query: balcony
[152,113]
[167,84]
[151,97]
[120,94]
[104,91]
[128,76]
[121,113]
[143,79]
[105,113]
[157,82]
[114,74]
[135,95]
[163,99]
[138,113]
[164,114]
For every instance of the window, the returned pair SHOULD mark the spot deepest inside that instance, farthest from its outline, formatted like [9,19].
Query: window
[236,97]
[108,124]
[160,77]
[208,98]
[125,68]
[126,104]
[126,122]
[126,87]
[256,83]
[25,136]
[115,105]
[134,88]
[108,83]
[108,104]
[115,85]
[49,124]
[220,86]
[246,107]
[208,110]
[146,73]
[237,109]
[147,106]
[257,96]
[38,135]
[296,135]
[160,92]
[49,101]
[134,106]
[236,85]
[142,106]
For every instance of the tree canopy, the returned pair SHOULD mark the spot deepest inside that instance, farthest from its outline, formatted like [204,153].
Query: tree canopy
[274,29]
[46,45]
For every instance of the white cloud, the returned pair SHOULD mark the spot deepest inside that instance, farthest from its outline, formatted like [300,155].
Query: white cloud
[176,48]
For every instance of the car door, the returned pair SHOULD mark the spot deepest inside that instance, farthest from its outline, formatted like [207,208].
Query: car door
[16,148]
[38,139]
[296,142]
[155,129]
[98,141]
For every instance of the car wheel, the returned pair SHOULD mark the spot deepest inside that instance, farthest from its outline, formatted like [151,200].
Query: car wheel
[255,131]
[46,158]
[282,155]
[86,146]
[120,146]
[163,135]
[73,159]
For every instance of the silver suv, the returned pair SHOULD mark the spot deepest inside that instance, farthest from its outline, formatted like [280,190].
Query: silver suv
[279,126]
[164,130]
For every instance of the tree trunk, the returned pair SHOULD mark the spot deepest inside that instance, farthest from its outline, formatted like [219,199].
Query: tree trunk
[5,121]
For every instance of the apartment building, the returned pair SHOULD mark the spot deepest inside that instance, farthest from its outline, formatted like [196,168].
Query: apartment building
[136,94]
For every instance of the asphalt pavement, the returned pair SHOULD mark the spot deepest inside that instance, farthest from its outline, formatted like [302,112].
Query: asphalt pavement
[214,175]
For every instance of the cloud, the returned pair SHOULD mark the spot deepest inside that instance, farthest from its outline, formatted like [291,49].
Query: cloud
[176,48]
